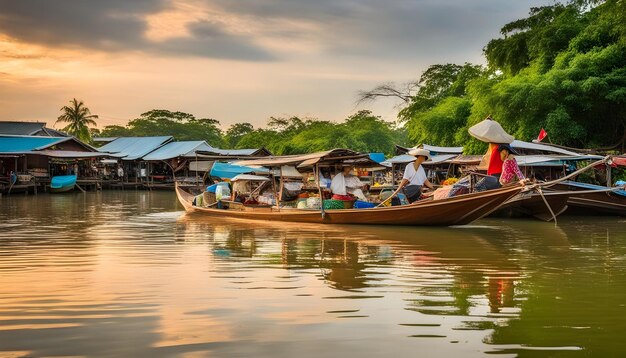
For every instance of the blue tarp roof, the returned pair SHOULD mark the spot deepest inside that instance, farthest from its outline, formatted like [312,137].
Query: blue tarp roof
[377,157]
[229,171]
[131,148]
[14,144]
[178,149]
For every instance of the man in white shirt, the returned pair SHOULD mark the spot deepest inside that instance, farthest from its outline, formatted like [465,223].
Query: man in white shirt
[414,177]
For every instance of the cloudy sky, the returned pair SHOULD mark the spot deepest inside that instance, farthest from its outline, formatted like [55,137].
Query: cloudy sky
[232,60]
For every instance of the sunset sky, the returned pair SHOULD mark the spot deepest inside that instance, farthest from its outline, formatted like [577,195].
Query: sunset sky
[231,60]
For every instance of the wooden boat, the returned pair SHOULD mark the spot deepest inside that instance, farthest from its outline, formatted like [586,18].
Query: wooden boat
[458,210]
[591,199]
[62,183]
[531,204]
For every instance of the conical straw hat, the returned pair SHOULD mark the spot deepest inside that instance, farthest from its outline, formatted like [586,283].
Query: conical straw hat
[490,131]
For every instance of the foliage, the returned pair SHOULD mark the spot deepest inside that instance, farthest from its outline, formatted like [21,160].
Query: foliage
[362,131]
[79,119]
[439,111]
[442,125]
[160,122]
[573,84]
[236,132]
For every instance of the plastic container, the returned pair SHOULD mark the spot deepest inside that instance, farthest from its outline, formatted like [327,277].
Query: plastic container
[363,205]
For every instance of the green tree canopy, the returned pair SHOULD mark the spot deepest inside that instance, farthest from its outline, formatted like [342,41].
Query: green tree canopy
[573,82]
[160,122]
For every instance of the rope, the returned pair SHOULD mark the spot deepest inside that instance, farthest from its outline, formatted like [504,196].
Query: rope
[547,205]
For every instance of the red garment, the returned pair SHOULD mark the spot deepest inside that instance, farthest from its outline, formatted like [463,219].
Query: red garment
[495,163]
[342,197]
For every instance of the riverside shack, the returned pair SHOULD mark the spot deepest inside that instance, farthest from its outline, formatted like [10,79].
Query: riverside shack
[173,161]
[129,152]
[36,159]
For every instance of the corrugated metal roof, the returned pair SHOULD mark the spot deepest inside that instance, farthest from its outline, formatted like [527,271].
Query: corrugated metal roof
[431,148]
[70,154]
[442,150]
[518,144]
[554,160]
[232,151]
[13,144]
[178,149]
[134,147]
[20,128]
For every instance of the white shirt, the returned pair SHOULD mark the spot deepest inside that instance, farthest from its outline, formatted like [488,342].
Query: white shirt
[342,185]
[338,184]
[414,178]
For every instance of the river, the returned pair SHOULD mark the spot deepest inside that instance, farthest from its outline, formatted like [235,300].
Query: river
[128,273]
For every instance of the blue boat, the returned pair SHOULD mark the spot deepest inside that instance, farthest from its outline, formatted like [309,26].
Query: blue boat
[62,183]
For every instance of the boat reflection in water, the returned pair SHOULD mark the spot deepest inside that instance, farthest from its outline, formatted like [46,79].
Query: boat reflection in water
[125,274]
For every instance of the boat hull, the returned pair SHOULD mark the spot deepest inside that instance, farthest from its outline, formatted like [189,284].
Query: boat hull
[531,204]
[590,203]
[63,183]
[458,210]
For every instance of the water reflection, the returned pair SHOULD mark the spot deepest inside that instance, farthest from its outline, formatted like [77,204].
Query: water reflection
[128,274]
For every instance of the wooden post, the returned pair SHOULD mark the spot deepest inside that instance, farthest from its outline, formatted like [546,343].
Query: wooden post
[274,188]
[319,188]
[609,181]
[279,196]
[196,172]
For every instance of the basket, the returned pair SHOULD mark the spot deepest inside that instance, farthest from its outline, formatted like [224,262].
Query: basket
[333,204]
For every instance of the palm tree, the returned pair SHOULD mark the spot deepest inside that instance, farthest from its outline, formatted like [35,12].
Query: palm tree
[79,118]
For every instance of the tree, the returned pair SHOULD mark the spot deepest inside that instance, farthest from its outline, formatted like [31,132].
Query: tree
[573,82]
[79,118]
[236,132]
[161,122]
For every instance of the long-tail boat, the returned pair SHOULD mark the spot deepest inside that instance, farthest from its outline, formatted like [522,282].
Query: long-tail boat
[458,210]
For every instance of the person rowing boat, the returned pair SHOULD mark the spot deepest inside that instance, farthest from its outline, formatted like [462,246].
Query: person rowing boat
[414,177]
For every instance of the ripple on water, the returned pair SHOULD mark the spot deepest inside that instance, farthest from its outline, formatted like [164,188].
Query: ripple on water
[128,274]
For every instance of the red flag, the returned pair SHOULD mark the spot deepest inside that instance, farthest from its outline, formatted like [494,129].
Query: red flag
[542,134]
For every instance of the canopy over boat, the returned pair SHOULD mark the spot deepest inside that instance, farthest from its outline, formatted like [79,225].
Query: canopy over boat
[229,171]
[326,158]
[252,177]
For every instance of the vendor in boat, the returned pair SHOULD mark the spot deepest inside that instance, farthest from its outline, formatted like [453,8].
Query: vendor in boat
[510,170]
[346,186]
[414,177]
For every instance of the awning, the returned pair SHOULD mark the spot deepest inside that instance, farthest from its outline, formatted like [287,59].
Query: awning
[287,171]
[249,177]
[405,158]
[329,157]
[69,154]
[229,171]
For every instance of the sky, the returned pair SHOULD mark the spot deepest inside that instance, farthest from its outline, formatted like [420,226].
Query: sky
[231,60]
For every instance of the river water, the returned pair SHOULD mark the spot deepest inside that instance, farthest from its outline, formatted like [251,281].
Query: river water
[128,273]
